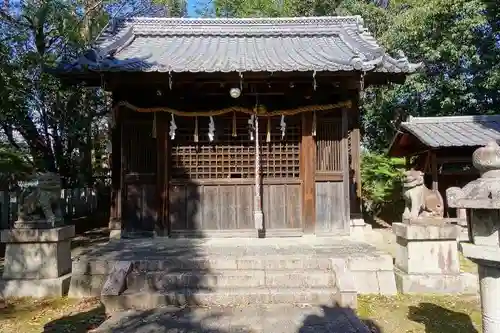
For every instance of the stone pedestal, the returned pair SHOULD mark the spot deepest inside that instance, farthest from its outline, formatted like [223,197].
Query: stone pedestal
[359,229]
[427,260]
[37,262]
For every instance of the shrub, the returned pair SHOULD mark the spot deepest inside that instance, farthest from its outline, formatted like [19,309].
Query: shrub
[381,178]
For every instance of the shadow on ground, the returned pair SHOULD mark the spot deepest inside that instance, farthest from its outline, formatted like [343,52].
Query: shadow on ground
[250,319]
[82,322]
[337,319]
[440,320]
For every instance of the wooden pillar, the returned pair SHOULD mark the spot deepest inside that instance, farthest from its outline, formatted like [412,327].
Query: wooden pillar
[162,227]
[434,171]
[307,173]
[356,153]
[345,165]
[115,221]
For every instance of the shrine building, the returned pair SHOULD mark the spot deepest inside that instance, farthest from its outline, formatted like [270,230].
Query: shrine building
[235,127]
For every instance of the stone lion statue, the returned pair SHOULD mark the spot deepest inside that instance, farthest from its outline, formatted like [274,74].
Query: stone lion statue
[42,190]
[419,200]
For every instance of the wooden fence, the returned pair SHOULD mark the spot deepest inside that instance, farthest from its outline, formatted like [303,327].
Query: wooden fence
[74,203]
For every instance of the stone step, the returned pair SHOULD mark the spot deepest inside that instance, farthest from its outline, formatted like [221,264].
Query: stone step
[154,281]
[103,267]
[228,297]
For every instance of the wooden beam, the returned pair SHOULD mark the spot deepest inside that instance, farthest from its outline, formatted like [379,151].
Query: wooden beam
[307,173]
[333,176]
[454,159]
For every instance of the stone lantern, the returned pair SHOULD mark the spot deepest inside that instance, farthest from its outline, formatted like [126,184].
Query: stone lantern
[481,199]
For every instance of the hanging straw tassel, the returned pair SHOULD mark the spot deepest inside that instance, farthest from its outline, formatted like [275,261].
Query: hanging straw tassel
[196,129]
[153,130]
[282,127]
[234,125]
[314,124]
[268,134]
[211,129]
[251,126]
[173,127]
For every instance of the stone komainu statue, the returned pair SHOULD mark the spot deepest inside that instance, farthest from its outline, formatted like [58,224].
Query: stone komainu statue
[44,192]
[419,200]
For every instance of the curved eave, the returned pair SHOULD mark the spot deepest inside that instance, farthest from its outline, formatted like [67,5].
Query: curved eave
[140,66]
[164,45]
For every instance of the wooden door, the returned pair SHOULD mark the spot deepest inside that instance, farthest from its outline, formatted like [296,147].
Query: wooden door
[211,188]
[139,175]
[332,167]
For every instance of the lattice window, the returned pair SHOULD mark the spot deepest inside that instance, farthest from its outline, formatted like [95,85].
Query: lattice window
[234,157]
[139,148]
[328,144]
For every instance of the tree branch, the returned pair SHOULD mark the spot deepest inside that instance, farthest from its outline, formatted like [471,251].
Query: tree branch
[8,131]
[12,20]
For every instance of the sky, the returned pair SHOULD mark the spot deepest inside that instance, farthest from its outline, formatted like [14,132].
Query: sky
[194,4]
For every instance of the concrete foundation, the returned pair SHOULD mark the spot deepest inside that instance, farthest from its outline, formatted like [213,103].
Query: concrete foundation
[37,262]
[427,260]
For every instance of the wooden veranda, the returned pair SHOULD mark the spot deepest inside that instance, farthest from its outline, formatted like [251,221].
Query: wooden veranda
[225,126]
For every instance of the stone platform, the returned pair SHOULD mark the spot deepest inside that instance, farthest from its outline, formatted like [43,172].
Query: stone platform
[227,272]
[37,262]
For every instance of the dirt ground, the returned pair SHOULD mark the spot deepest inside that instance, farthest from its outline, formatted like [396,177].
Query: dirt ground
[411,314]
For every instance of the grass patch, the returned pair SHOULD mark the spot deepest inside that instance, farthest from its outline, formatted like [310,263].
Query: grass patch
[26,315]
[467,265]
[422,313]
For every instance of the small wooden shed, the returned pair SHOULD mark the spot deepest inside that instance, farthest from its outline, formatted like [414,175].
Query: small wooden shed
[442,147]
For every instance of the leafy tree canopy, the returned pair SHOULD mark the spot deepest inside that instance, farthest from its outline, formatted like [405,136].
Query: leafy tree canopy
[457,40]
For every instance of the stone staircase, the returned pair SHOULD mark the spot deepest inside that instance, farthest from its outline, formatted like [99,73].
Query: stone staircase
[148,273]
[227,281]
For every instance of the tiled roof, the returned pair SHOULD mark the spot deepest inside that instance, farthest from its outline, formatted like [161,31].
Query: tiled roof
[238,45]
[459,131]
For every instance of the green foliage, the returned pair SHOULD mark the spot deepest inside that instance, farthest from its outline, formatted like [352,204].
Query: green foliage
[14,161]
[455,40]
[14,165]
[56,124]
[381,181]
[267,8]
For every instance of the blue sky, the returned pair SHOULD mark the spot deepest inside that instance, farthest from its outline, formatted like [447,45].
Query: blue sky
[194,4]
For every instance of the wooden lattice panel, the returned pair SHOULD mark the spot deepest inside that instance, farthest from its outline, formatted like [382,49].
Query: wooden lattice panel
[234,157]
[328,144]
[139,148]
